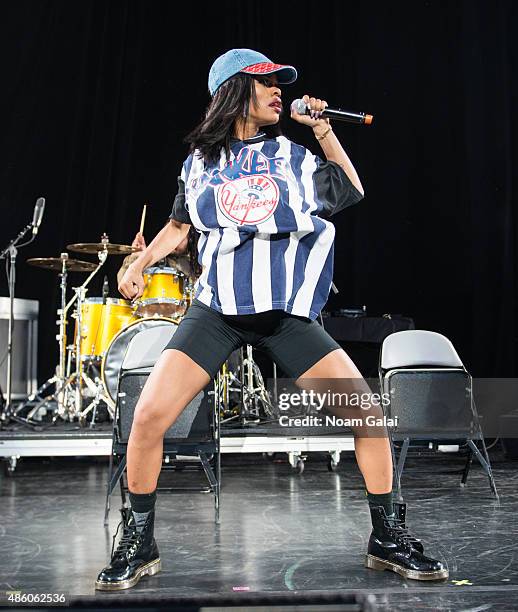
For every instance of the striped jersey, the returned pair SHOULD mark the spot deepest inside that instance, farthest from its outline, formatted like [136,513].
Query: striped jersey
[265,242]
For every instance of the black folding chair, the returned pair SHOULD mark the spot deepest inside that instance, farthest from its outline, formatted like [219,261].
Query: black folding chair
[195,433]
[430,392]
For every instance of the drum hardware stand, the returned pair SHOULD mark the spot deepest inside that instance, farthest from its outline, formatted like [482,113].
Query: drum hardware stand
[65,385]
[78,375]
[96,386]
[225,381]
[63,379]
[254,395]
[59,380]
[79,297]
[11,251]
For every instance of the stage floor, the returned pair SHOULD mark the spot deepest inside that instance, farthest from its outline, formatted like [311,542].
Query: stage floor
[279,532]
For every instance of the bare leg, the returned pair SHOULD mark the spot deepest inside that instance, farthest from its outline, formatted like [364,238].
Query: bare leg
[372,453]
[175,380]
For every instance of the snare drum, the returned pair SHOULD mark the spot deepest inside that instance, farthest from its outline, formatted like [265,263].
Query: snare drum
[164,293]
[101,322]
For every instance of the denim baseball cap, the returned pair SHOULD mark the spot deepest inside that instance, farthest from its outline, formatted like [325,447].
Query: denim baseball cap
[250,62]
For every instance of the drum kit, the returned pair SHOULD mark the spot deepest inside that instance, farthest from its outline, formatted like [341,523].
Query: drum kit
[88,367]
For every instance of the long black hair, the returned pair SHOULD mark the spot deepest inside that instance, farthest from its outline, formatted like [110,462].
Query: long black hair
[230,103]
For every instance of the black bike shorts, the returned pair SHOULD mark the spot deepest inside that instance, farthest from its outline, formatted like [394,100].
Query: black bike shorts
[209,337]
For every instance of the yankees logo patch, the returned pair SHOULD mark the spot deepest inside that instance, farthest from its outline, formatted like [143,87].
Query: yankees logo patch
[249,200]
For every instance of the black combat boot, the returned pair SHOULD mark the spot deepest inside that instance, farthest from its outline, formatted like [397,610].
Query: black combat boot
[136,555]
[391,547]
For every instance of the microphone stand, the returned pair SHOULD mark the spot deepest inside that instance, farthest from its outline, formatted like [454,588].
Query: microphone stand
[11,251]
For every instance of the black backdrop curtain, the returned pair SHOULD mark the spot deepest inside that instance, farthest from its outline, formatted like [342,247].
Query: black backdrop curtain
[97,96]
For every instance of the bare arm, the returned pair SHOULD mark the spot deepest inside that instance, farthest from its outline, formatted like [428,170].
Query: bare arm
[330,144]
[334,151]
[168,238]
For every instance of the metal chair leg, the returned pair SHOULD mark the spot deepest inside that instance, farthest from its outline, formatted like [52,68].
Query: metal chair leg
[110,476]
[218,485]
[121,483]
[484,462]
[107,504]
[489,470]
[467,467]
[399,466]
[397,482]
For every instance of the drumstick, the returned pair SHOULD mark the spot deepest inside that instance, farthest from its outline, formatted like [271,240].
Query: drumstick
[143,219]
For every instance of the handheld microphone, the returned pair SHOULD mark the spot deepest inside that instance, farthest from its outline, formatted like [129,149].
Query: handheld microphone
[39,208]
[334,113]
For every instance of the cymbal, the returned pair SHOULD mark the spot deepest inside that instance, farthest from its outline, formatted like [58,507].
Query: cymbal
[95,247]
[56,264]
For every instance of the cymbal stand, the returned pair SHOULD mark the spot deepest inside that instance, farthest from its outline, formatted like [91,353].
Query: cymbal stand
[78,398]
[79,297]
[67,393]
[59,380]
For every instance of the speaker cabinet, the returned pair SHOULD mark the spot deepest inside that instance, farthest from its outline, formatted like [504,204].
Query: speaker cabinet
[25,345]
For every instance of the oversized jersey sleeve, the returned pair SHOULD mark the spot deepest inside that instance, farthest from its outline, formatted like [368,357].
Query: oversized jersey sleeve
[334,188]
[179,211]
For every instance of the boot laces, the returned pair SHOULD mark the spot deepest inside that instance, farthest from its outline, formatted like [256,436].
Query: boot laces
[129,542]
[400,531]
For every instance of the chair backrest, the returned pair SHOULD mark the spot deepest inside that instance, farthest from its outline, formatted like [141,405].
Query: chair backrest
[429,388]
[429,403]
[145,348]
[194,425]
[418,347]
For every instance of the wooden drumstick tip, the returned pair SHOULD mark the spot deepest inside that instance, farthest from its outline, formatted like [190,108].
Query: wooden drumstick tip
[143,219]
[368,119]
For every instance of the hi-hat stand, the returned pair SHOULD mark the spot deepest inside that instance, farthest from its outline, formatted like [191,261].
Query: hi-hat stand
[255,404]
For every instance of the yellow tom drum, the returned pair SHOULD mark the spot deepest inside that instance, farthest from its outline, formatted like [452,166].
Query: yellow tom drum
[91,315]
[101,322]
[117,314]
[164,293]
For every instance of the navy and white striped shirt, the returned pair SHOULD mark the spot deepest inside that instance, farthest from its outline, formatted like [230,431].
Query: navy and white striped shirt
[263,242]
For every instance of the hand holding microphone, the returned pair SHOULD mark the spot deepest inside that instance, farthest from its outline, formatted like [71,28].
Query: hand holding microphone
[315,113]
[308,111]
[317,109]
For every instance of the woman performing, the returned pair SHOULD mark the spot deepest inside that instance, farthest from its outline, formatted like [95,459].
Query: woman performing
[259,202]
